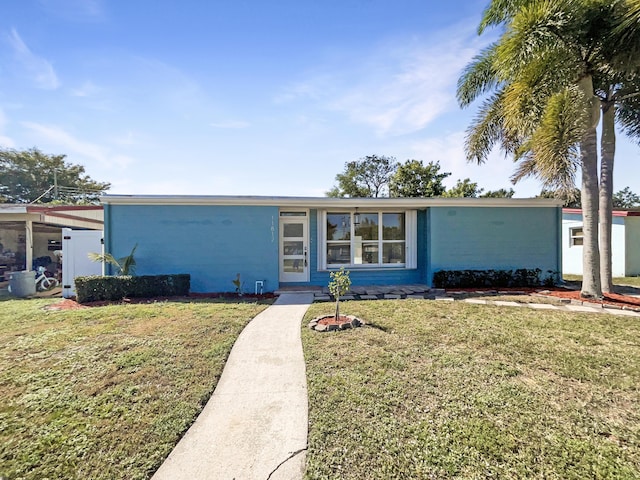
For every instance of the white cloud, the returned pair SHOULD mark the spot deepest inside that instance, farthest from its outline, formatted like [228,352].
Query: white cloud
[398,88]
[492,175]
[39,70]
[230,124]
[72,145]
[5,142]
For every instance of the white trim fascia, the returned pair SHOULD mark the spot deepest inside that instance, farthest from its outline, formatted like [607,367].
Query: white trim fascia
[326,202]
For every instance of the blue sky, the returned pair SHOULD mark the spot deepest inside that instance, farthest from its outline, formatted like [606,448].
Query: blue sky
[233,97]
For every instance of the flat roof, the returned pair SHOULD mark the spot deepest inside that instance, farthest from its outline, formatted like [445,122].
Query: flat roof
[326,202]
[615,213]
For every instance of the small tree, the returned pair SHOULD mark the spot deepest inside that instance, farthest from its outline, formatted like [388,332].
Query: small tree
[338,286]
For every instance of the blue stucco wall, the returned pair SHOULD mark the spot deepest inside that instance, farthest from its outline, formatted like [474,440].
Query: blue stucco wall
[494,238]
[215,243]
[212,243]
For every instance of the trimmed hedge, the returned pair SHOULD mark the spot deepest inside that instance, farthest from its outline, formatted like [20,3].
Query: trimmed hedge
[522,277]
[97,288]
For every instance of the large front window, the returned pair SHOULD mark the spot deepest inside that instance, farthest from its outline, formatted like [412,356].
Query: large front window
[378,239]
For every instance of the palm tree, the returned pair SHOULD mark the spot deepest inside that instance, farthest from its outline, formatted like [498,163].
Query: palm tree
[544,109]
[619,103]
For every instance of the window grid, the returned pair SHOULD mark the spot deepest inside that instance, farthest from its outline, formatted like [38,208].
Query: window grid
[576,235]
[378,251]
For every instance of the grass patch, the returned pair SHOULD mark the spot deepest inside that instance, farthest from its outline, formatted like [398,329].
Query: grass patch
[473,391]
[106,393]
[630,281]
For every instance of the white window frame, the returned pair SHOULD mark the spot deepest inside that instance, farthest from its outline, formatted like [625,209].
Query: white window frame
[574,236]
[410,241]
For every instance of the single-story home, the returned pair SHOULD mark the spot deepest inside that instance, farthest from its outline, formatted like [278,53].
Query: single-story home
[625,242]
[275,242]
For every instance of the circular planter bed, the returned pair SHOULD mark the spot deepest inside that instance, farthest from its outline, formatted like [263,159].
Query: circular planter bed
[328,323]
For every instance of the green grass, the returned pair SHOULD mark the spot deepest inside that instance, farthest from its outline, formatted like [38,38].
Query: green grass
[630,281]
[435,390]
[105,393]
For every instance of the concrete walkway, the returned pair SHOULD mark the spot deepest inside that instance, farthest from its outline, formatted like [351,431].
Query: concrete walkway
[255,424]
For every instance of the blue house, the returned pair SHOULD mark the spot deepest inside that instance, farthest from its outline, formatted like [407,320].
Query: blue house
[298,241]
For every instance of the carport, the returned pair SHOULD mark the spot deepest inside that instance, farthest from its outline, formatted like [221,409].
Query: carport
[28,232]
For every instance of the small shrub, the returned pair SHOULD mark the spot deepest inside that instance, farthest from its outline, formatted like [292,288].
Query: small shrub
[98,288]
[522,277]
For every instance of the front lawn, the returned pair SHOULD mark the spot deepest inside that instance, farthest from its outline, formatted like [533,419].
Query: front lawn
[105,393]
[454,390]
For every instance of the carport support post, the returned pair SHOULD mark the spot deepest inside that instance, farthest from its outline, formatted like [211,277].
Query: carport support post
[28,247]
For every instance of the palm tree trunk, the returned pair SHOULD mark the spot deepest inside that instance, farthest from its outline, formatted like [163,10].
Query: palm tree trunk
[591,286]
[607,154]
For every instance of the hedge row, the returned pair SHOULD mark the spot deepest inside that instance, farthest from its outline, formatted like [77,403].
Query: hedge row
[522,277]
[97,288]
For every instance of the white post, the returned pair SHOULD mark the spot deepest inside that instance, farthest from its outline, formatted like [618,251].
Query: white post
[28,240]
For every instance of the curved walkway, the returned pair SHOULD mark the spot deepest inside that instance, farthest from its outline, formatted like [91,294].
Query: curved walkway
[255,424]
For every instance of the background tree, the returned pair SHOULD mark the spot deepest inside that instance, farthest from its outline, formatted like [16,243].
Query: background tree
[415,179]
[28,176]
[625,198]
[464,188]
[367,177]
[502,193]
[570,198]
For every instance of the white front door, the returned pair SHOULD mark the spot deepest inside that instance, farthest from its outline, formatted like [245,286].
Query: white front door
[294,249]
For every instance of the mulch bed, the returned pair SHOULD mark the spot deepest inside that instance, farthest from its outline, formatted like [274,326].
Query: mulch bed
[610,299]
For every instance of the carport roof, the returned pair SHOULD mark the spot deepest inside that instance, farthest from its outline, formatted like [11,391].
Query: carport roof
[73,216]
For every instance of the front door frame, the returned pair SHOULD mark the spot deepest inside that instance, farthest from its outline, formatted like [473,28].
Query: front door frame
[287,277]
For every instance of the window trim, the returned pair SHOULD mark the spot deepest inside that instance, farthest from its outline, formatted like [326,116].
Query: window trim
[573,236]
[410,240]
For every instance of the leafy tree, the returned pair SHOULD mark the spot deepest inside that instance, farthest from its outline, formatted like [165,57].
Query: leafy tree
[502,193]
[415,179]
[368,177]
[464,188]
[28,176]
[545,73]
[570,198]
[625,198]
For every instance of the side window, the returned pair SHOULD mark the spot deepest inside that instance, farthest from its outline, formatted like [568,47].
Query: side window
[576,237]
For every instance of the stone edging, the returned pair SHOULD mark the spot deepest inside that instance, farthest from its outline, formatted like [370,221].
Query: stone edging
[318,327]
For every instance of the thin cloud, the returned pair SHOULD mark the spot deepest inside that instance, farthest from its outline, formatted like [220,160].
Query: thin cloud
[39,70]
[233,124]
[87,89]
[72,145]
[491,175]
[396,89]
[75,10]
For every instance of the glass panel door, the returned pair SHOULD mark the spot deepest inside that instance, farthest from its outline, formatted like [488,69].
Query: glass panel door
[294,252]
